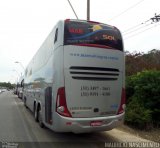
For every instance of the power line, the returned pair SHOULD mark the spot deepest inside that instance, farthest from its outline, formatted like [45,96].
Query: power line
[141,32]
[72,9]
[126,10]
[141,26]
[133,30]
[135,26]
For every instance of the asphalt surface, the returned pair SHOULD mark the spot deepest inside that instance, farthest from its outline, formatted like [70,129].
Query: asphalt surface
[19,129]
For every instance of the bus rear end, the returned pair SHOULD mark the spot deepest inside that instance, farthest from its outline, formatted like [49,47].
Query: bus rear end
[93,96]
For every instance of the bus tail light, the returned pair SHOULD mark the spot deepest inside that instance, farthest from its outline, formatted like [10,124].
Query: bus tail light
[61,105]
[123,101]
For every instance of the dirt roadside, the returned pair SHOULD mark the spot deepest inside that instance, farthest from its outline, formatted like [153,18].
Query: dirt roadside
[127,134]
[152,135]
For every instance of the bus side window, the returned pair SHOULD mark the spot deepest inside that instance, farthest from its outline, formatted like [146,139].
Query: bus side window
[56,36]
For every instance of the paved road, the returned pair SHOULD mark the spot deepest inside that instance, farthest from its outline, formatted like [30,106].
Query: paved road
[17,125]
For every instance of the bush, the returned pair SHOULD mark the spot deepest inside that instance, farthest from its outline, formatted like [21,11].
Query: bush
[143,99]
[137,115]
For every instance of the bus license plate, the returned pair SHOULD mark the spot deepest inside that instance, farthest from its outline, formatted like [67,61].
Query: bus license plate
[96,123]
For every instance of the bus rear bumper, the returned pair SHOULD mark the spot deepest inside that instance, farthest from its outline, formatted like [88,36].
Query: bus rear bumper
[86,125]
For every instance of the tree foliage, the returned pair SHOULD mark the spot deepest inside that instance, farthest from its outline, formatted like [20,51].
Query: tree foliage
[6,85]
[143,99]
[137,62]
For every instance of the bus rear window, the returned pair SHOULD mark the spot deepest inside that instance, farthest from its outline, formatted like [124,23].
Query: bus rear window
[91,34]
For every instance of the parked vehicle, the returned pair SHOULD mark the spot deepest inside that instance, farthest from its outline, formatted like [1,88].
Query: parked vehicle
[19,88]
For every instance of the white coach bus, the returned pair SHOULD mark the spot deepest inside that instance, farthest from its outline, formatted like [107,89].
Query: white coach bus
[75,81]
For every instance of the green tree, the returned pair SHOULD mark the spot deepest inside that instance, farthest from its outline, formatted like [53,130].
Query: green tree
[6,85]
[143,98]
[137,62]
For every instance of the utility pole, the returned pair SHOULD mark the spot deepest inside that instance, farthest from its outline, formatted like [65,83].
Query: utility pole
[156,18]
[88,10]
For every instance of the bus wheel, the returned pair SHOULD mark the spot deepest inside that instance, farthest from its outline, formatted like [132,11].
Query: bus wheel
[35,114]
[25,102]
[41,124]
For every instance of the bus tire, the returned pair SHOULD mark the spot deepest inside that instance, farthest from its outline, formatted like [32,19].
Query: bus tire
[41,124]
[35,113]
[25,102]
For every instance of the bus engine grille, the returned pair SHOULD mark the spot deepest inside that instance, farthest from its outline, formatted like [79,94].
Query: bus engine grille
[94,73]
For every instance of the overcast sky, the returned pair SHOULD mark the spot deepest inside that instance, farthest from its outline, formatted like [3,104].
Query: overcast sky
[24,25]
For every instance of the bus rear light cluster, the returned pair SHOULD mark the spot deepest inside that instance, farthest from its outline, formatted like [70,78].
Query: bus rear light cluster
[61,105]
[123,101]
